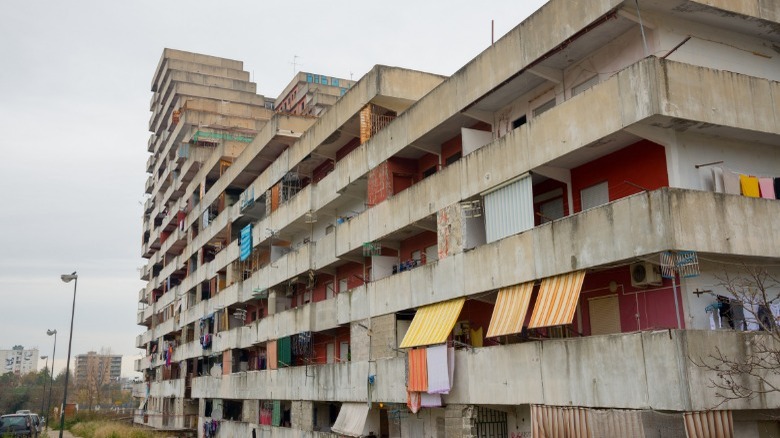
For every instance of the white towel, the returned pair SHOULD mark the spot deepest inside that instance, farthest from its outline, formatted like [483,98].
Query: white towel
[438,373]
[717,179]
[731,182]
[430,400]
[712,321]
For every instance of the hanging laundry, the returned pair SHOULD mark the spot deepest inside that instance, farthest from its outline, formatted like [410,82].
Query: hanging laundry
[717,179]
[451,365]
[749,185]
[413,401]
[767,186]
[438,374]
[418,370]
[730,182]
[476,337]
[777,188]
[430,400]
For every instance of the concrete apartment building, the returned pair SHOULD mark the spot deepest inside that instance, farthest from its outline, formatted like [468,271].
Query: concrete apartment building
[531,247]
[19,360]
[97,368]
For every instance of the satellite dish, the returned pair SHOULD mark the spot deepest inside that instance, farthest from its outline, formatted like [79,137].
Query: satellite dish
[216,414]
[216,371]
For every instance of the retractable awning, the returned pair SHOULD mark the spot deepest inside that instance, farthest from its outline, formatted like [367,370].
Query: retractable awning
[351,419]
[557,300]
[510,310]
[433,324]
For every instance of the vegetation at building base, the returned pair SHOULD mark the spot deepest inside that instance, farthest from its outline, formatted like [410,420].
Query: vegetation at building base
[754,297]
[110,429]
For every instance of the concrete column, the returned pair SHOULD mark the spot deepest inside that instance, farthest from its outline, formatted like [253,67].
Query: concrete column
[302,415]
[460,421]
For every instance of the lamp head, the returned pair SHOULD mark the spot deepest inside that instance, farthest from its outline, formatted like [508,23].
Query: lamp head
[68,277]
[44,357]
[51,332]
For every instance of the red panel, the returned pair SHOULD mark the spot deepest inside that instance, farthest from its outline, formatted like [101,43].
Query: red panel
[654,305]
[380,185]
[349,147]
[417,243]
[426,162]
[322,170]
[353,272]
[642,163]
[451,147]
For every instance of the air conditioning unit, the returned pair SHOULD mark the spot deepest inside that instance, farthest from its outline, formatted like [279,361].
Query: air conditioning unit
[645,274]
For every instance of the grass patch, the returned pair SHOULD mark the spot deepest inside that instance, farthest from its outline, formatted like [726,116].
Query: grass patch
[109,429]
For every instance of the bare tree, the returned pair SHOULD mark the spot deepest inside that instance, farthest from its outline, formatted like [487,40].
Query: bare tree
[753,295]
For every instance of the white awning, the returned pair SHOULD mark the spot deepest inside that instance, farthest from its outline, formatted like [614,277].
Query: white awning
[351,419]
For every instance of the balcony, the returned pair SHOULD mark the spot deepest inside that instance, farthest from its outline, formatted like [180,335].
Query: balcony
[641,370]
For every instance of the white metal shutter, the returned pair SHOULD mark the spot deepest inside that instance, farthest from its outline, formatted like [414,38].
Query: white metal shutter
[604,315]
[509,210]
[594,196]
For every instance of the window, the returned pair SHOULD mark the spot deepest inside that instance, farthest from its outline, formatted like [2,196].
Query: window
[541,109]
[519,122]
[453,158]
[552,210]
[309,77]
[417,256]
[577,89]
[594,196]
[343,286]
[316,79]
[431,254]
[329,293]
[334,82]
[343,90]
[324,80]
[428,172]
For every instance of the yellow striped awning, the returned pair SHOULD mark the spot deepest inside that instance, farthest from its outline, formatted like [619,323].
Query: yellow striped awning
[432,324]
[509,312]
[557,300]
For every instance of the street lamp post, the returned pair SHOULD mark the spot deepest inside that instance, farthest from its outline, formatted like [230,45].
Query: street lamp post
[43,393]
[67,278]
[51,376]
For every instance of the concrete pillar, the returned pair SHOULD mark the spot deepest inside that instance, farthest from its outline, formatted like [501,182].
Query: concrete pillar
[460,421]
[359,341]
[302,415]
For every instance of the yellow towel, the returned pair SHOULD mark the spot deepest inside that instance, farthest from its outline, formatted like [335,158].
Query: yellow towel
[749,186]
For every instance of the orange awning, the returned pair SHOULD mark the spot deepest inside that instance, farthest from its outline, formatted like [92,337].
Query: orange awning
[510,310]
[557,300]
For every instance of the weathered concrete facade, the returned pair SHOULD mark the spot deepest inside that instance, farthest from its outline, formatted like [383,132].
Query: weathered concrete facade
[608,124]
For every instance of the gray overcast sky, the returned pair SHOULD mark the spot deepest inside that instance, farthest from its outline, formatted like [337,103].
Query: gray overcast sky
[74,111]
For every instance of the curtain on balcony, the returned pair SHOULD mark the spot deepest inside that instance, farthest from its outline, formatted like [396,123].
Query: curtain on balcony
[707,424]
[351,419]
[510,309]
[433,324]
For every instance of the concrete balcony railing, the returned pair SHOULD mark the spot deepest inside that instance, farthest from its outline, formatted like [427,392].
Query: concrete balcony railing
[241,428]
[139,389]
[342,381]
[641,370]
[167,388]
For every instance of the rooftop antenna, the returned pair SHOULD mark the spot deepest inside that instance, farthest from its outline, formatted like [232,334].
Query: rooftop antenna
[350,75]
[295,64]
[492,32]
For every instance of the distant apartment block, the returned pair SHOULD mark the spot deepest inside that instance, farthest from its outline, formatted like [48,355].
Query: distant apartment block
[96,368]
[531,246]
[18,360]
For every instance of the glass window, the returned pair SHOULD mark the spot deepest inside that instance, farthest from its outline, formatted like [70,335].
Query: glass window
[324,80]
[577,89]
[343,90]
[316,79]
[334,82]
[541,109]
[309,77]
